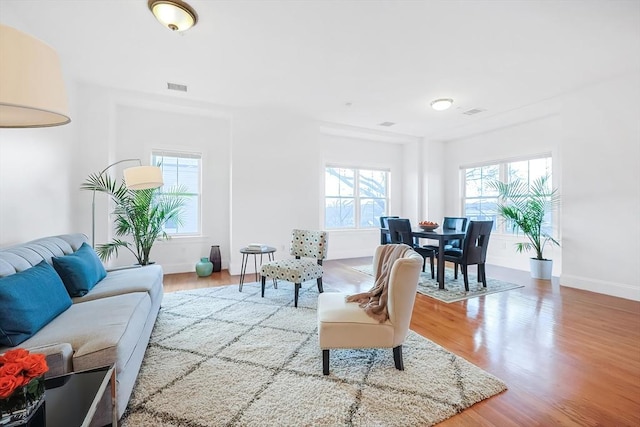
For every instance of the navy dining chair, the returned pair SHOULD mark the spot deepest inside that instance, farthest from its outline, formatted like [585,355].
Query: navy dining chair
[385,238]
[400,232]
[473,251]
[452,223]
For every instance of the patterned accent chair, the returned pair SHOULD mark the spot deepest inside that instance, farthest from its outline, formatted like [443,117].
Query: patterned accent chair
[305,244]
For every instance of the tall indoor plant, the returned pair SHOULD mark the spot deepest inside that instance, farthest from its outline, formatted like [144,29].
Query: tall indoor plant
[524,208]
[140,214]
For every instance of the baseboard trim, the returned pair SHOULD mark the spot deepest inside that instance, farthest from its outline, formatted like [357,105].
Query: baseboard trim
[185,268]
[620,290]
[351,253]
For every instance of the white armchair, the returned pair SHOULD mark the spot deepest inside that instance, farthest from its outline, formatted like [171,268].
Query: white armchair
[346,325]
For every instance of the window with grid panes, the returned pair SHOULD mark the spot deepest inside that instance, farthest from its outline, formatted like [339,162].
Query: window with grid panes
[479,200]
[355,198]
[183,170]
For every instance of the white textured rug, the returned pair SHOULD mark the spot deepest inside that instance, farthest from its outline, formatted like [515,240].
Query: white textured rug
[453,288]
[219,357]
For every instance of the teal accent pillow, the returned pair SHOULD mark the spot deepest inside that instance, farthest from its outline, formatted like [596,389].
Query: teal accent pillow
[29,300]
[80,271]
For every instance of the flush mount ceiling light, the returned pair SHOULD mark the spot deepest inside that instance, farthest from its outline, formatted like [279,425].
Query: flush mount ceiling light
[441,104]
[176,15]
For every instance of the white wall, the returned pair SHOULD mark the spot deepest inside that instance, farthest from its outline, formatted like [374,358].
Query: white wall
[94,151]
[278,179]
[601,188]
[140,130]
[37,180]
[433,205]
[274,179]
[263,173]
[363,150]
[116,125]
[413,189]
[527,139]
[36,174]
[266,168]
[35,185]
[594,137]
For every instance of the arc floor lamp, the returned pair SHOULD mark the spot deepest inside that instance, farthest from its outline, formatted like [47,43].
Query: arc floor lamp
[135,178]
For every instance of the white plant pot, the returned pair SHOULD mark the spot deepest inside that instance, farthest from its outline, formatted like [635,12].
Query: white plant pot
[541,268]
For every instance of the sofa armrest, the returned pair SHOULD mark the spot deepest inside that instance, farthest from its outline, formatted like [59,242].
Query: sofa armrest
[59,358]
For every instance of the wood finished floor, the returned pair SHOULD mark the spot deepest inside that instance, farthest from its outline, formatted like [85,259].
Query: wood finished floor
[569,357]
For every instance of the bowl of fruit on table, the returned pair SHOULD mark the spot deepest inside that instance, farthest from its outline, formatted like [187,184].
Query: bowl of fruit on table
[428,225]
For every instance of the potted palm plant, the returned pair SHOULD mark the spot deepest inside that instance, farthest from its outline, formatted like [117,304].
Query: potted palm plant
[140,214]
[524,208]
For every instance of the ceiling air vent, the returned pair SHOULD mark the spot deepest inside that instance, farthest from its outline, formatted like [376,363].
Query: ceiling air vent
[175,86]
[474,111]
[387,124]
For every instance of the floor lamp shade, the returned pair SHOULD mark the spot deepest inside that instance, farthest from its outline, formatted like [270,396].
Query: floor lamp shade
[143,177]
[32,92]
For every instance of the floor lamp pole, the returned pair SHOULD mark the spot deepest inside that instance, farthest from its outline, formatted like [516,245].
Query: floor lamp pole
[93,203]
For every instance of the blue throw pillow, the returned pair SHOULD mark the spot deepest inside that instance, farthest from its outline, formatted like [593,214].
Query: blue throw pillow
[28,301]
[80,271]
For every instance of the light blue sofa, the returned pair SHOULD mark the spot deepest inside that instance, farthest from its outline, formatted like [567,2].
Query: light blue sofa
[111,324]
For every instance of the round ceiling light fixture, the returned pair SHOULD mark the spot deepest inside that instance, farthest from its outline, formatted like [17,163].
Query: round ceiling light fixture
[176,15]
[441,104]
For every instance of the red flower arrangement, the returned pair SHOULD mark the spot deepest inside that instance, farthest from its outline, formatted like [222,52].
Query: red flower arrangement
[21,385]
[17,368]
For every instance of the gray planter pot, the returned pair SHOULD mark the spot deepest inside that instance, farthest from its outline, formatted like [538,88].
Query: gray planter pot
[541,268]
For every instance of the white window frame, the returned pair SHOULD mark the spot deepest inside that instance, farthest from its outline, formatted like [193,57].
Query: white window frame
[356,197]
[500,226]
[185,155]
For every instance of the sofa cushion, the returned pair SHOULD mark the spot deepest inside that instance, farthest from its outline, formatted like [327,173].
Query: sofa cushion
[29,300]
[125,281]
[80,271]
[101,332]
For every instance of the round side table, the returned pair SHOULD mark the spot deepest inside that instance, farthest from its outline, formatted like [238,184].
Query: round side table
[246,251]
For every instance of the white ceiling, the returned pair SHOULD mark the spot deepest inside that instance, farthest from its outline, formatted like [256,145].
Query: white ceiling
[389,59]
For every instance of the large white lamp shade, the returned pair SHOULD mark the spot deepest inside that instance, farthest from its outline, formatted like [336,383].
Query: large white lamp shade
[32,90]
[143,177]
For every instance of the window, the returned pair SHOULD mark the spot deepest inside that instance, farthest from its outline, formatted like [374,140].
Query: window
[355,198]
[480,200]
[182,170]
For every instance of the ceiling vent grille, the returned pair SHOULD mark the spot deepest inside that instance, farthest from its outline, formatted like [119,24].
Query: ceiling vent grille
[474,111]
[175,86]
[387,124]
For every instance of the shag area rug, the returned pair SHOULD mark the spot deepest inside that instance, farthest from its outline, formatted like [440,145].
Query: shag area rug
[219,357]
[453,288]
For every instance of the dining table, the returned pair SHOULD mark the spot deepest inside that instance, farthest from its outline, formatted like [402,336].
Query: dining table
[441,236]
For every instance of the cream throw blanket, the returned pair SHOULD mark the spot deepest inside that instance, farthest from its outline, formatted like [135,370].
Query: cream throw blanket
[374,301]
